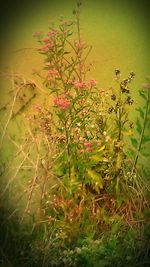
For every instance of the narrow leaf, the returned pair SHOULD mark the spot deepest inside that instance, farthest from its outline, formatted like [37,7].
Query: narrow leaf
[134,142]
[96,177]
[138,126]
[145,139]
[141,111]
[142,94]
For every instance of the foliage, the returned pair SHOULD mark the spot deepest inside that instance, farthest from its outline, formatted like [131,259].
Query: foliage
[88,179]
[142,126]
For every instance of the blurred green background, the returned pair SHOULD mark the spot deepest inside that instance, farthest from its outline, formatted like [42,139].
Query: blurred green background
[117,30]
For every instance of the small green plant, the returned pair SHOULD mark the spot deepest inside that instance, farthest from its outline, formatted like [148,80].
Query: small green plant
[142,126]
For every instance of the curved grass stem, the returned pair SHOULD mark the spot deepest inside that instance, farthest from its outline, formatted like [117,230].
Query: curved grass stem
[142,132]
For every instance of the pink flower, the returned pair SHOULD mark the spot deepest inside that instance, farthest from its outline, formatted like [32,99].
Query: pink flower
[46,40]
[49,45]
[65,104]
[38,107]
[92,82]
[98,142]
[62,103]
[29,118]
[79,45]
[66,22]
[88,149]
[68,93]
[53,33]
[53,72]
[69,81]
[37,34]
[44,49]
[88,146]
[79,84]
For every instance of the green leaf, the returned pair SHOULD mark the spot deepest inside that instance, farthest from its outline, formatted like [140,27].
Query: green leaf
[96,178]
[55,90]
[69,34]
[148,125]
[74,188]
[120,199]
[101,262]
[115,227]
[142,94]
[138,126]
[102,148]
[141,111]
[145,139]
[68,86]
[119,160]
[144,162]
[145,154]
[134,141]
[118,186]
[137,152]
[97,158]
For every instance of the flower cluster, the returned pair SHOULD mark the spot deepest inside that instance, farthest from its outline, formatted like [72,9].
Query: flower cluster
[62,101]
[82,84]
[88,146]
[48,42]
[92,82]
[53,73]
[47,45]
[37,34]
[38,107]
[79,84]
[53,33]
[80,45]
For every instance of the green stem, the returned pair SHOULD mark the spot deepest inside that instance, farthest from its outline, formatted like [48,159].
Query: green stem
[119,116]
[68,150]
[69,163]
[142,133]
[79,39]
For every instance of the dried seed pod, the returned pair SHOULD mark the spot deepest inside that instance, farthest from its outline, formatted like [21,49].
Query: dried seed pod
[127,91]
[118,104]
[132,74]
[117,72]
[131,125]
[110,110]
[113,97]
[129,100]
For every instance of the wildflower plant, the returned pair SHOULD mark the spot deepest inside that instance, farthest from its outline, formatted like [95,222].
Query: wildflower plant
[90,125]
[85,172]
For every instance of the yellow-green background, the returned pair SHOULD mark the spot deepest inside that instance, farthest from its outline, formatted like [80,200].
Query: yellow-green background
[117,30]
